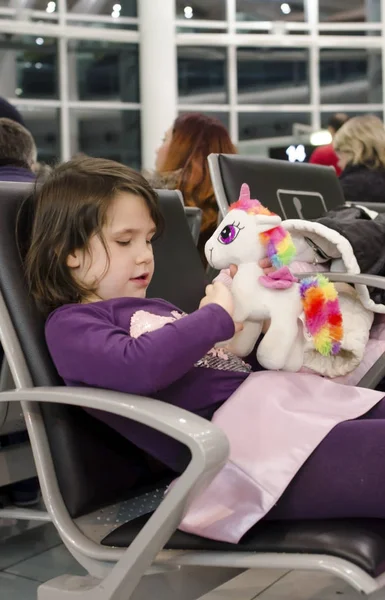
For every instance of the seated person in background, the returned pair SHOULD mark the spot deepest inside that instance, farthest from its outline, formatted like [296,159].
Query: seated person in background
[181,164]
[17,152]
[325,155]
[360,147]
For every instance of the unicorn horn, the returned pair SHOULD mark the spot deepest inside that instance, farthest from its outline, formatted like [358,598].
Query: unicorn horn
[245,192]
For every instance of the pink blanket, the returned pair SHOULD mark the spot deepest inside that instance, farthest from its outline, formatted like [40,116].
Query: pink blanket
[274,421]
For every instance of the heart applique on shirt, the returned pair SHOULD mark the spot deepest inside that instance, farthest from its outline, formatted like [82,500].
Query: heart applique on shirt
[144,322]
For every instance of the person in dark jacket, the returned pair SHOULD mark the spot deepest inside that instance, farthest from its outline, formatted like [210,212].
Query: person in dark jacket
[360,147]
[366,236]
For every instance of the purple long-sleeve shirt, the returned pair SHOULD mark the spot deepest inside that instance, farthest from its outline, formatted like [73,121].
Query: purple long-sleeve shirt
[147,347]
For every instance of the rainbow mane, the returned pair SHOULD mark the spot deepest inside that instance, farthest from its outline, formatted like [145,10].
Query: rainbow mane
[279,244]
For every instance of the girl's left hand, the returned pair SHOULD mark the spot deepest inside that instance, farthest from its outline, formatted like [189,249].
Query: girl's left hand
[265,264]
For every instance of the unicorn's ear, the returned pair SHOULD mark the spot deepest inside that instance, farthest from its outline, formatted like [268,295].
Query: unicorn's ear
[266,222]
[244,194]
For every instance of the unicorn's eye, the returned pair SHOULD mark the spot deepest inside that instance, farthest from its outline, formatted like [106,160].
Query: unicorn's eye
[229,233]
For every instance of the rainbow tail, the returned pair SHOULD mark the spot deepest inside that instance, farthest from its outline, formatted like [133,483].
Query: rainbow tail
[323,316]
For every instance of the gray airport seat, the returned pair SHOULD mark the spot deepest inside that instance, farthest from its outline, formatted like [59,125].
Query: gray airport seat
[194,219]
[193,216]
[291,190]
[16,460]
[115,529]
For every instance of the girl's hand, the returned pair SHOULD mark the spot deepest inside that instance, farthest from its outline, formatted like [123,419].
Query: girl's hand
[218,293]
[265,264]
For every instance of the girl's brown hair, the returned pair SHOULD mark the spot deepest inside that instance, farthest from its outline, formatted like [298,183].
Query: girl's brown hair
[194,137]
[68,209]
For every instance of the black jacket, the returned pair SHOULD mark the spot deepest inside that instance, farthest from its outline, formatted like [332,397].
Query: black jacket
[367,238]
[360,183]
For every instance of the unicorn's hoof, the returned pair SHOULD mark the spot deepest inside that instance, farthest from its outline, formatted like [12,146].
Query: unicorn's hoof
[292,368]
[294,364]
[270,363]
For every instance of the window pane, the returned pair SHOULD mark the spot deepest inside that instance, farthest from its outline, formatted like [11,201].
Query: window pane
[30,5]
[270,10]
[202,75]
[354,11]
[104,71]
[199,29]
[351,76]
[27,15]
[325,116]
[128,8]
[354,32]
[201,10]
[254,126]
[44,124]
[108,134]
[28,66]
[80,21]
[273,76]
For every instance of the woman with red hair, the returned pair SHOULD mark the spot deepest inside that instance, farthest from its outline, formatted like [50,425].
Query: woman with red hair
[181,164]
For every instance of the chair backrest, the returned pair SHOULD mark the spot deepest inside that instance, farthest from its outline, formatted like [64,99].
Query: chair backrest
[291,190]
[193,216]
[78,443]
[179,274]
[194,220]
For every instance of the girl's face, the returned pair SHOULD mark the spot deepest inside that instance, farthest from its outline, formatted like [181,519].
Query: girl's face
[128,233]
[162,151]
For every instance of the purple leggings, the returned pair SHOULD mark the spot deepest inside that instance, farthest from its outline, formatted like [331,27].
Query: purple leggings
[345,475]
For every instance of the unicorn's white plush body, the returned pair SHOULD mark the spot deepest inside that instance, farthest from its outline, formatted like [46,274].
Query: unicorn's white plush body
[283,344]
[258,299]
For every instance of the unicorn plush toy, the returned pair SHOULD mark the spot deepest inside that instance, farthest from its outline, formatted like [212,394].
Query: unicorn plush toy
[248,233]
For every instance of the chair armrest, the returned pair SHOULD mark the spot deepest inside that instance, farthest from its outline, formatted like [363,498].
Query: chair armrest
[204,439]
[378,207]
[208,444]
[209,451]
[359,279]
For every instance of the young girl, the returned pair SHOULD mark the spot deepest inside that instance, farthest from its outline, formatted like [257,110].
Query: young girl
[89,264]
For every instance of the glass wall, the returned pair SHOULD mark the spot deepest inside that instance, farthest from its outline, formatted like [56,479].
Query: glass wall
[282,63]
[261,66]
[72,69]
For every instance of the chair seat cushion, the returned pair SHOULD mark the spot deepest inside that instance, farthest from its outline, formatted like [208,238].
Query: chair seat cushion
[360,541]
